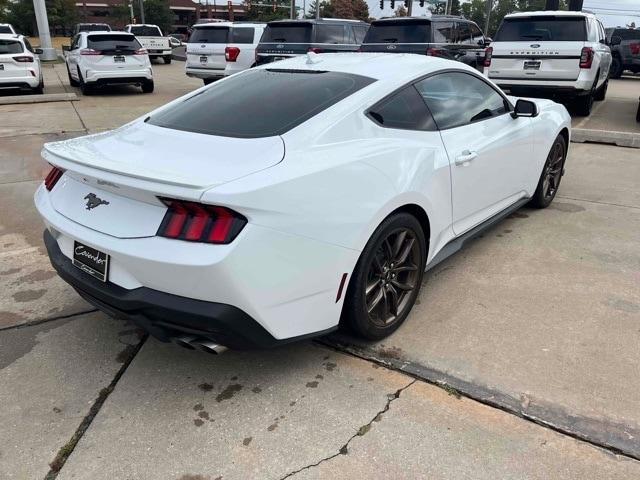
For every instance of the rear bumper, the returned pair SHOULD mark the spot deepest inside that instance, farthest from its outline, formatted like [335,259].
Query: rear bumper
[206,73]
[164,315]
[19,82]
[544,90]
[118,77]
[159,53]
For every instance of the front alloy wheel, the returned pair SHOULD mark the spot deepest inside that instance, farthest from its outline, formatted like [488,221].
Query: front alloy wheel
[387,278]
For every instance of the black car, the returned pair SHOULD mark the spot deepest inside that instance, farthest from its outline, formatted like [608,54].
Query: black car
[625,50]
[446,36]
[289,38]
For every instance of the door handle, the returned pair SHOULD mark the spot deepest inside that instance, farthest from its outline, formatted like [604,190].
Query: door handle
[466,157]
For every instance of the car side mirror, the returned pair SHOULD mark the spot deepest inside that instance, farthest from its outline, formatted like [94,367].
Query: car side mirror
[615,40]
[525,108]
[66,48]
[37,51]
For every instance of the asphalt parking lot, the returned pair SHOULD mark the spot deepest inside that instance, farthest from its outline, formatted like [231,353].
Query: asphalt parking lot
[521,359]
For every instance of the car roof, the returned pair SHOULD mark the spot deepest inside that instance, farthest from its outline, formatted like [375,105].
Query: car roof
[102,32]
[550,13]
[395,67]
[432,18]
[11,36]
[316,20]
[230,24]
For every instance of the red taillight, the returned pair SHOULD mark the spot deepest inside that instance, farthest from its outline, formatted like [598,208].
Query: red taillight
[23,59]
[90,51]
[196,222]
[231,53]
[488,53]
[314,50]
[52,178]
[586,57]
[635,48]
[141,51]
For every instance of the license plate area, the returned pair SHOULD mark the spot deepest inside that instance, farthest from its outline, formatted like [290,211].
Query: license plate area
[531,65]
[277,59]
[119,59]
[91,261]
[203,59]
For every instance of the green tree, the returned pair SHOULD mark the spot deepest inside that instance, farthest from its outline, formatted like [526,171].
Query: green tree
[351,9]
[22,16]
[63,15]
[455,7]
[156,12]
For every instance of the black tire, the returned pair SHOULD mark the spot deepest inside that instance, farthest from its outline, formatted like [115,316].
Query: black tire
[147,86]
[72,82]
[551,175]
[584,103]
[39,90]
[616,69]
[167,59]
[601,93]
[638,114]
[393,287]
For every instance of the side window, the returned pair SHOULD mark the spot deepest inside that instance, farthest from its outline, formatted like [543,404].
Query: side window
[360,32]
[442,32]
[464,33]
[75,42]
[330,34]
[404,110]
[476,34]
[457,99]
[351,35]
[242,35]
[28,45]
[593,31]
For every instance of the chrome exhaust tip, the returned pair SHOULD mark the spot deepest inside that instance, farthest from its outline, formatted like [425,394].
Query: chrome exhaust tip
[211,347]
[185,341]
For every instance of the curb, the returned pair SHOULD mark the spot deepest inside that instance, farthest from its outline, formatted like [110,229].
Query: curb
[47,97]
[621,139]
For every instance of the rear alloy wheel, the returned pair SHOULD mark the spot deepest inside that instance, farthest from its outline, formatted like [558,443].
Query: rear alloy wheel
[616,69]
[387,278]
[167,59]
[551,174]
[147,86]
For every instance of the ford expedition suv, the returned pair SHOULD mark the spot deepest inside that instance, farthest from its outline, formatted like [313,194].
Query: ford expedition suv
[562,55]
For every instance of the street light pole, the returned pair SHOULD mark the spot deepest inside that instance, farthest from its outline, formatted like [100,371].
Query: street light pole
[142,12]
[48,52]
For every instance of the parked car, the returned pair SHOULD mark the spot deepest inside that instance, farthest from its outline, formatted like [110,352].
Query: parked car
[151,38]
[220,49]
[561,55]
[625,50]
[90,27]
[445,36]
[7,28]
[95,59]
[289,38]
[174,40]
[307,193]
[19,64]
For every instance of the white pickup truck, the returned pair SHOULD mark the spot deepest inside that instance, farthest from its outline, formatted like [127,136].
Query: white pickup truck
[151,38]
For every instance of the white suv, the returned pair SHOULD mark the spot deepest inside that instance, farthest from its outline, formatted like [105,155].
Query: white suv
[554,54]
[219,49]
[19,64]
[106,58]
[7,28]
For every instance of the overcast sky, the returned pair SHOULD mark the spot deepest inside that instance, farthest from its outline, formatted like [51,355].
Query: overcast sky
[611,12]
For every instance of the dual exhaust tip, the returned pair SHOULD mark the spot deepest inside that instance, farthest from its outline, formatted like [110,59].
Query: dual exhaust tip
[198,343]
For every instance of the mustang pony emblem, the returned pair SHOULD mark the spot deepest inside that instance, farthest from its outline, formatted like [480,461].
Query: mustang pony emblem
[94,201]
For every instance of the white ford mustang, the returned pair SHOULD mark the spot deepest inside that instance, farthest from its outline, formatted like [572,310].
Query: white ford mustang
[287,199]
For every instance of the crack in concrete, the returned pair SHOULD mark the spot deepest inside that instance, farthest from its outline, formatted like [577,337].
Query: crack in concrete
[344,450]
[48,319]
[67,449]
[603,434]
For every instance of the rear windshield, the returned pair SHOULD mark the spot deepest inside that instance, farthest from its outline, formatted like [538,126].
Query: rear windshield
[5,29]
[113,43]
[623,33]
[9,46]
[271,102]
[94,27]
[146,31]
[209,35]
[399,32]
[292,33]
[541,29]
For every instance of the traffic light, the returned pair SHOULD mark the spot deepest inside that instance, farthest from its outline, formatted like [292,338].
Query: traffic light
[393,4]
[422,3]
[406,3]
[381,4]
